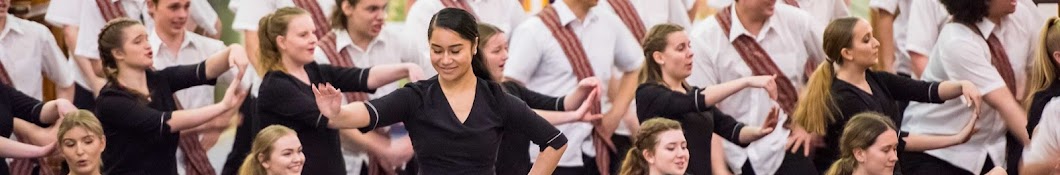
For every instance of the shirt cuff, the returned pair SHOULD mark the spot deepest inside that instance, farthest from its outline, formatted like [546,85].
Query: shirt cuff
[559,104]
[373,118]
[701,100]
[164,127]
[555,142]
[364,79]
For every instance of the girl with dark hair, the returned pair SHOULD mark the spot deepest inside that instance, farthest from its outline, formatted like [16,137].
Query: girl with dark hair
[512,157]
[988,43]
[664,93]
[456,119]
[285,97]
[844,78]
[137,108]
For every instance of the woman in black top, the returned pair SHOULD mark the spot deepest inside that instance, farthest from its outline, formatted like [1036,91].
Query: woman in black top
[285,97]
[137,108]
[664,93]
[834,96]
[17,107]
[512,157]
[456,119]
[1042,92]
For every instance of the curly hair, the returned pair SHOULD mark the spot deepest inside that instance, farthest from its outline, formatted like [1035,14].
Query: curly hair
[967,11]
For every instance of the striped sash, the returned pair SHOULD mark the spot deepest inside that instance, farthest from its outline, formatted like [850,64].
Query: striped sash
[110,10]
[792,2]
[460,4]
[629,16]
[319,18]
[579,61]
[760,62]
[195,160]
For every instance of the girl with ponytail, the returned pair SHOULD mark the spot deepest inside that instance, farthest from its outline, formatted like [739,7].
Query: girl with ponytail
[659,148]
[844,78]
[139,114]
[287,46]
[1042,104]
[869,146]
[664,93]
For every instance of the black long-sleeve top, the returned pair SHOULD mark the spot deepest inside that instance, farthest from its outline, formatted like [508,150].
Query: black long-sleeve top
[139,140]
[512,158]
[285,100]
[15,104]
[697,119]
[442,143]
[887,90]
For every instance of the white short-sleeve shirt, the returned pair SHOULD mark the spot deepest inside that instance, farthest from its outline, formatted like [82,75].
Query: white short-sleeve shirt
[653,12]
[251,11]
[961,54]
[544,67]
[1045,144]
[824,11]
[928,17]
[390,47]
[791,38]
[92,22]
[31,50]
[503,14]
[64,12]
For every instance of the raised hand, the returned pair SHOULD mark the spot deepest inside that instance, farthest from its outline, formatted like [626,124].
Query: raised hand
[588,83]
[767,82]
[236,93]
[771,121]
[237,56]
[972,97]
[583,110]
[799,137]
[968,130]
[329,99]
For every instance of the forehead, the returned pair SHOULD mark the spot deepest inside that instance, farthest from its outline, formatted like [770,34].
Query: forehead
[671,136]
[75,133]
[169,2]
[286,142]
[888,137]
[446,37]
[301,22]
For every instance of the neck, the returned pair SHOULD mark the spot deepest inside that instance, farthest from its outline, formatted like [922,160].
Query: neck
[291,67]
[580,9]
[133,78]
[360,39]
[3,21]
[751,21]
[674,83]
[93,172]
[172,41]
[462,83]
[851,73]
[996,19]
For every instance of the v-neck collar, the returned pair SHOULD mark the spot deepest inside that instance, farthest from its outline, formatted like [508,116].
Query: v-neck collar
[452,112]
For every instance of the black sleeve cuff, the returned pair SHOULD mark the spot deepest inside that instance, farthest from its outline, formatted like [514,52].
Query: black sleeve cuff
[364,80]
[200,74]
[933,93]
[560,106]
[735,138]
[163,127]
[701,100]
[556,142]
[373,118]
[901,140]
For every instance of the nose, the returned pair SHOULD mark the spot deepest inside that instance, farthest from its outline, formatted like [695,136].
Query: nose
[300,158]
[79,149]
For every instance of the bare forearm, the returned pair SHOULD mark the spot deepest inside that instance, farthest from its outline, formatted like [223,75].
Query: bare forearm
[1044,167]
[218,123]
[31,133]
[546,162]
[950,89]
[716,93]
[13,149]
[919,63]
[885,34]
[250,38]
[1011,113]
[372,142]
[95,81]
[385,74]
[70,37]
[351,116]
[620,103]
[750,134]
[218,63]
[920,142]
[190,118]
[574,100]
[50,111]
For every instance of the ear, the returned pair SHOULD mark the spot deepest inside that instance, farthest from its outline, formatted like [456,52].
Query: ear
[347,8]
[847,54]
[117,53]
[262,160]
[648,156]
[474,48]
[657,56]
[859,154]
[280,42]
[1056,57]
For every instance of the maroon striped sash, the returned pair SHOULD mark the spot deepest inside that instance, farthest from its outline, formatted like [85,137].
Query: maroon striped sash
[792,2]
[999,58]
[572,48]
[760,62]
[341,58]
[629,16]
[319,18]
[460,4]
[195,160]
[110,10]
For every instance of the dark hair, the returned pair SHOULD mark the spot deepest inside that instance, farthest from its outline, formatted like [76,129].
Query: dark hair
[967,11]
[814,111]
[464,24]
[860,133]
[272,25]
[338,19]
[656,41]
[112,37]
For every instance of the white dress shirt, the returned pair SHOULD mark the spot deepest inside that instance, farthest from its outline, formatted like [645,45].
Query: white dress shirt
[790,36]
[504,14]
[91,22]
[902,63]
[1045,145]
[31,50]
[824,11]
[928,17]
[961,54]
[64,12]
[653,12]
[544,67]
[251,11]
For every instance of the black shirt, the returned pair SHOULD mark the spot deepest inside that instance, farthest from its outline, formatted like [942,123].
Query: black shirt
[285,100]
[512,158]
[138,139]
[16,104]
[887,90]
[698,120]
[443,144]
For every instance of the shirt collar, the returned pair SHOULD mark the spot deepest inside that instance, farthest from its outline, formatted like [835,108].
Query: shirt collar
[986,27]
[737,28]
[342,40]
[566,15]
[11,25]
[156,42]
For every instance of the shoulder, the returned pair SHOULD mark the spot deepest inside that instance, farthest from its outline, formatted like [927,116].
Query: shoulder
[794,16]
[212,45]
[34,29]
[648,87]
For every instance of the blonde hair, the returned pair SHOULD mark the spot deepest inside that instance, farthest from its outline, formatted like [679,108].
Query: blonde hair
[655,41]
[814,110]
[83,119]
[262,146]
[860,133]
[1043,72]
[269,27]
[646,139]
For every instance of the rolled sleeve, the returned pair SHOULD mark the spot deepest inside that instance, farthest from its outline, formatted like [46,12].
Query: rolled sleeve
[204,15]
[393,108]
[64,13]
[55,65]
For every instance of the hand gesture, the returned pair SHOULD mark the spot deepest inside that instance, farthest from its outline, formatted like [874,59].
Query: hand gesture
[329,99]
